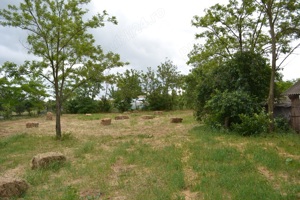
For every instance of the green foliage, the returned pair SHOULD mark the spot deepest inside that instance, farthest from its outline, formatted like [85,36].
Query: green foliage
[19,92]
[228,29]
[6,111]
[244,78]
[58,33]
[254,124]
[281,86]
[247,71]
[128,88]
[161,87]
[104,105]
[281,124]
[50,105]
[268,28]
[282,23]
[224,108]
[122,105]
[82,105]
[158,101]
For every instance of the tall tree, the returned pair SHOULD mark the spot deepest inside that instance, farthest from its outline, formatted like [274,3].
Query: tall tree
[231,28]
[59,35]
[149,82]
[128,88]
[19,91]
[267,27]
[248,73]
[169,77]
[283,23]
[161,86]
[225,30]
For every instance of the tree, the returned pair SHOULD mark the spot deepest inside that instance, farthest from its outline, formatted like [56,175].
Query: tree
[266,27]
[224,108]
[82,105]
[19,91]
[161,87]
[149,82]
[128,88]
[246,73]
[283,23]
[59,35]
[228,29]
[225,30]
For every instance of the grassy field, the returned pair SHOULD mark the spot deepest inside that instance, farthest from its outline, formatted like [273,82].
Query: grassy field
[138,159]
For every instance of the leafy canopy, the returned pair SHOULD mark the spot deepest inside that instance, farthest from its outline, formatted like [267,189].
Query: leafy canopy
[58,33]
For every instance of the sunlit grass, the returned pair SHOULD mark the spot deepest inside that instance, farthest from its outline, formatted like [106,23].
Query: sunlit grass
[154,159]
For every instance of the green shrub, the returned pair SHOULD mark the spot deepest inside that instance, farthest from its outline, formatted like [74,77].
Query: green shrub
[224,108]
[81,105]
[104,105]
[281,124]
[255,124]
[123,104]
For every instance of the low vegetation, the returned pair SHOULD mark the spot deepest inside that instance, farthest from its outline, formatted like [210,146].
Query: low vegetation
[150,159]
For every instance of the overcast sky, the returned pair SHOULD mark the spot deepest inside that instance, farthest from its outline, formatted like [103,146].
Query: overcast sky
[148,32]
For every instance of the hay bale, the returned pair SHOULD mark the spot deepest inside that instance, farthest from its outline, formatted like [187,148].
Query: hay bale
[43,160]
[28,125]
[147,117]
[176,120]
[32,125]
[12,187]
[158,112]
[49,116]
[106,121]
[121,117]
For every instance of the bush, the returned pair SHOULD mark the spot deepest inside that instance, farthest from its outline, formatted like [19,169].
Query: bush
[123,104]
[252,125]
[6,112]
[224,108]
[281,124]
[159,101]
[82,105]
[104,105]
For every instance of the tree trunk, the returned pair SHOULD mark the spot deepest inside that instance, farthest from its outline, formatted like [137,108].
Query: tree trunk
[226,123]
[58,112]
[271,99]
[273,62]
[58,115]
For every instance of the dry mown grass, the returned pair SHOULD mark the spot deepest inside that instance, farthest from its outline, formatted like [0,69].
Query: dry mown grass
[139,158]
[81,125]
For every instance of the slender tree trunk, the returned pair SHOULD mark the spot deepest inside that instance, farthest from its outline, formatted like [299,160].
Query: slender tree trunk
[58,110]
[273,67]
[58,115]
[271,98]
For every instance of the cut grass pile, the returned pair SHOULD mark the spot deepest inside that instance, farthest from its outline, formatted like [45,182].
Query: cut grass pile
[153,159]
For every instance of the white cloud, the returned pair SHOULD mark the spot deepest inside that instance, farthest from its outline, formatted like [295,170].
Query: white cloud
[147,33]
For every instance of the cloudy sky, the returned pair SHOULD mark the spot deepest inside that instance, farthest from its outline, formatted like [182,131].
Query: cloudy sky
[148,32]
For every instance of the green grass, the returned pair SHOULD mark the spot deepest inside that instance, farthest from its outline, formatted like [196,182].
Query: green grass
[90,117]
[205,163]
[228,172]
